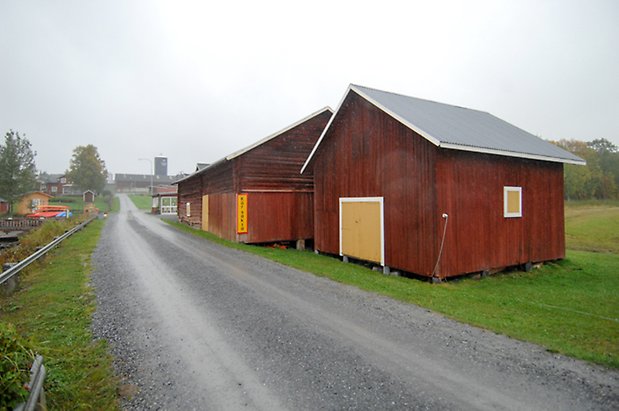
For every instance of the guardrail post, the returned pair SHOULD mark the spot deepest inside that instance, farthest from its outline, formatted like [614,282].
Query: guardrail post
[9,286]
[36,399]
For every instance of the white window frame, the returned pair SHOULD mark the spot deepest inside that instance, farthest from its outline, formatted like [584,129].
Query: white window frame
[167,205]
[506,190]
[188,209]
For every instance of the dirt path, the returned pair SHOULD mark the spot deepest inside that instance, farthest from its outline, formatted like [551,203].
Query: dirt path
[197,326]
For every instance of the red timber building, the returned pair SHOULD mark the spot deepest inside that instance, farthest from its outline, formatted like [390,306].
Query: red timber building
[434,189]
[257,195]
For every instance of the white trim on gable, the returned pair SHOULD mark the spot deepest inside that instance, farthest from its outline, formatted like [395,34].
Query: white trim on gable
[257,144]
[280,132]
[510,154]
[435,141]
[408,124]
[322,135]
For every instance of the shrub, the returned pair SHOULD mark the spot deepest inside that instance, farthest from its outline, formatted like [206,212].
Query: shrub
[15,361]
[38,238]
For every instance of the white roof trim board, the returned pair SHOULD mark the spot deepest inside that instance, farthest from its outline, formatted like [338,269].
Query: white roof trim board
[280,132]
[258,143]
[457,128]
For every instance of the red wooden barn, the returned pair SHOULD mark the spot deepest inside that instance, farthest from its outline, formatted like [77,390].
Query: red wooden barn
[434,189]
[256,195]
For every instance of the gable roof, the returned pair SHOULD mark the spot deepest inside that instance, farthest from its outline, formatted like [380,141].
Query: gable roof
[278,133]
[50,178]
[256,144]
[458,128]
[35,192]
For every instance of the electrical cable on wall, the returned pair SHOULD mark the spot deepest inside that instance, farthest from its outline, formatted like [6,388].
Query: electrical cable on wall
[440,251]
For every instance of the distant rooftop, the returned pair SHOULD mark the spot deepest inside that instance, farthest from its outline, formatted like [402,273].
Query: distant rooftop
[128,178]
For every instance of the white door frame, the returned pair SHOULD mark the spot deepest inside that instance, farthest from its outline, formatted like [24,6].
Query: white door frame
[379,200]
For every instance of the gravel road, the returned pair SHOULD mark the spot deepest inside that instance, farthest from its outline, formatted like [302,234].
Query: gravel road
[193,325]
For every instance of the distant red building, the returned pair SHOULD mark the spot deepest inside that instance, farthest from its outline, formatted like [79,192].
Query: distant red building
[88,196]
[165,200]
[257,194]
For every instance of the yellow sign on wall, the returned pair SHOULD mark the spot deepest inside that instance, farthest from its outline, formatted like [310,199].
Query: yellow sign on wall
[241,214]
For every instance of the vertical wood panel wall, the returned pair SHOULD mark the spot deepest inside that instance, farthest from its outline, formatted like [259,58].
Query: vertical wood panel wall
[369,154]
[279,197]
[366,153]
[479,237]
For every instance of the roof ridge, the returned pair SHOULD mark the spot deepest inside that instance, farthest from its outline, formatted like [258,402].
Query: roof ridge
[419,98]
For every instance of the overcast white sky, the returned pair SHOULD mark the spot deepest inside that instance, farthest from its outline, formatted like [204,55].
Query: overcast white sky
[197,80]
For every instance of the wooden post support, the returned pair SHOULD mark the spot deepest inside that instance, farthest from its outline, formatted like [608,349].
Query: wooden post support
[12,283]
[301,245]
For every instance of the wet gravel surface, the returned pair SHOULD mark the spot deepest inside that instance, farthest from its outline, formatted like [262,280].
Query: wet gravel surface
[196,326]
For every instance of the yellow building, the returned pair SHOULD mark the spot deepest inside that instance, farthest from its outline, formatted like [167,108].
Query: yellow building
[30,201]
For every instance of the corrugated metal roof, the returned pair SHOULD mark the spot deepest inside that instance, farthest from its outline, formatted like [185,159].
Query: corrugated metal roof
[456,128]
[463,128]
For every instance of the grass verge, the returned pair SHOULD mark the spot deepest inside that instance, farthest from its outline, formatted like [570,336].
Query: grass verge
[570,307]
[143,202]
[53,310]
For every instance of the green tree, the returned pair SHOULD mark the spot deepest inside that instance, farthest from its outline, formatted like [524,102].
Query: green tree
[608,156]
[599,178]
[17,167]
[87,169]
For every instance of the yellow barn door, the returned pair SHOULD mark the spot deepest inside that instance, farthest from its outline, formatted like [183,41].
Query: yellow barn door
[205,212]
[361,228]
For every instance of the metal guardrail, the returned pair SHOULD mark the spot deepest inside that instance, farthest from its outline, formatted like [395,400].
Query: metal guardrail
[5,276]
[36,399]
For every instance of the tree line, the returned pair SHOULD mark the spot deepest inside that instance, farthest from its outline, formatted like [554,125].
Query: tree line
[18,172]
[599,179]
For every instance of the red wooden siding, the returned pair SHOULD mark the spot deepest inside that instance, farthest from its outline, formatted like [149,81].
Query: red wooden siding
[219,178]
[189,191]
[279,197]
[279,217]
[275,165]
[470,190]
[367,153]
[222,215]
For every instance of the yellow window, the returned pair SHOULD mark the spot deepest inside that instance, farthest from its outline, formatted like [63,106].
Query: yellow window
[512,202]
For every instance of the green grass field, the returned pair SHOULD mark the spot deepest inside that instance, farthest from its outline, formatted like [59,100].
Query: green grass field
[53,309]
[592,227]
[570,307]
[143,202]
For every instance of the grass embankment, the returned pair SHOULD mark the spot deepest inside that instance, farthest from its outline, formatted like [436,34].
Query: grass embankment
[143,202]
[53,310]
[570,307]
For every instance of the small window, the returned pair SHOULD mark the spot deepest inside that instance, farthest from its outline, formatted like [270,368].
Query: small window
[188,209]
[54,189]
[512,202]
